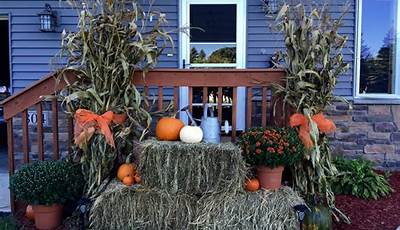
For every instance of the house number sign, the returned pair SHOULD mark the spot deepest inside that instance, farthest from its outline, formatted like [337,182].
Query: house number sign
[33,118]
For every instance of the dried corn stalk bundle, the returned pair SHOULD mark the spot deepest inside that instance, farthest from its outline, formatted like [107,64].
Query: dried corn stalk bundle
[113,40]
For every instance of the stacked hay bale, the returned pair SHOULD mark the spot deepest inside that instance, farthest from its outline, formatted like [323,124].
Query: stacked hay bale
[194,169]
[192,186]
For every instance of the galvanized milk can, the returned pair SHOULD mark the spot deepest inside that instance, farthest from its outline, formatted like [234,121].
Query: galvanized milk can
[211,127]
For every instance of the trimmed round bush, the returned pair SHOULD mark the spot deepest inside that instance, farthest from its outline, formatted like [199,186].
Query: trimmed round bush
[47,182]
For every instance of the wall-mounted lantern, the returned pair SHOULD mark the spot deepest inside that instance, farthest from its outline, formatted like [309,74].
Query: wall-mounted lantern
[272,5]
[48,19]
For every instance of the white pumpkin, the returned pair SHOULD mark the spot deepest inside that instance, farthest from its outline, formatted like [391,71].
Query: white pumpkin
[191,134]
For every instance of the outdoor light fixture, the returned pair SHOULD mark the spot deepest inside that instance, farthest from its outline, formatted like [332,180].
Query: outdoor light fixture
[301,212]
[48,19]
[272,5]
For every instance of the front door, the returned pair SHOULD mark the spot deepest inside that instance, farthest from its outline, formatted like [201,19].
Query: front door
[4,73]
[4,54]
[216,39]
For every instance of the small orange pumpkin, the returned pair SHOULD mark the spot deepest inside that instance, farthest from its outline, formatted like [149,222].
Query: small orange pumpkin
[252,185]
[137,178]
[29,213]
[125,170]
[128,180]
[168,128]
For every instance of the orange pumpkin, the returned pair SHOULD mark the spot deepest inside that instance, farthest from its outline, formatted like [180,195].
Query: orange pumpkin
[128,180]
[125,170]
[29,213]
[252,184]
[168,129]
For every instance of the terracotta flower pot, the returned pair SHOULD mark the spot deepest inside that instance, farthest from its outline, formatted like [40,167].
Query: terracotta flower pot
[47,217]
[270,178]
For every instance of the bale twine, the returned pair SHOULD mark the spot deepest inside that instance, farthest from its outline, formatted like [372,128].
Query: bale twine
[200,168]
[247,211]
[121,207]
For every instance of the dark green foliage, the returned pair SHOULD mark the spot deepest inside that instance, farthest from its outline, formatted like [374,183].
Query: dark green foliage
[271,146]
[357,178]
[376,70]
[47,182]
[221,55]
[7,223]
[319,217]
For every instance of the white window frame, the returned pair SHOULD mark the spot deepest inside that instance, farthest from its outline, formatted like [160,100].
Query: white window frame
[240,32]
[357,59]
[241,35]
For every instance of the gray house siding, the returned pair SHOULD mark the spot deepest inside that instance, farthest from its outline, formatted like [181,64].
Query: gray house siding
[32,50]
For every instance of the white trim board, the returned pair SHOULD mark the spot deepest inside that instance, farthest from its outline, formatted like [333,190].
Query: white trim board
[184,50]
[357,60]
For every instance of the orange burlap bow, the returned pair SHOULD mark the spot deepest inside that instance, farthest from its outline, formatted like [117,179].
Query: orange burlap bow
[87,122]
[324,125]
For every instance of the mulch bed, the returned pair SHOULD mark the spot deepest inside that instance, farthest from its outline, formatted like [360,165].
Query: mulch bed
[382,214]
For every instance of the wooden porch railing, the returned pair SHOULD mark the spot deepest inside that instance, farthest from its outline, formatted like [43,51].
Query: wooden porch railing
[32,99]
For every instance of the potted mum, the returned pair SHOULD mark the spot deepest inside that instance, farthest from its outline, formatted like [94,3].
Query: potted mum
[47,186]
[270,150]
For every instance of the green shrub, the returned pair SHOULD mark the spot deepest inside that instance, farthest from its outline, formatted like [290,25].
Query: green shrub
[7,223]
[357,177]
[271,146]
[47,182]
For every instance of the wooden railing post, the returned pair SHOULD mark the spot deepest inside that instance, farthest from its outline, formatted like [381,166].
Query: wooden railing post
[234,113]
[39,110]
[176,100]
[220,101]
[54,127]
[25,135]
[249,107]
[264,107]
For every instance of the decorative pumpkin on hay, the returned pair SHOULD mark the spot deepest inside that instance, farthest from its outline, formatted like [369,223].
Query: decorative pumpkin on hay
[191,134]
[29,213]
[128,175]
[125,170]
[168,128]
[252,185]
[319,218]
[128,180]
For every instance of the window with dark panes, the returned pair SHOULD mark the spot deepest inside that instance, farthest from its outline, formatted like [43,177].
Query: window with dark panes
[213,33]
[379,49]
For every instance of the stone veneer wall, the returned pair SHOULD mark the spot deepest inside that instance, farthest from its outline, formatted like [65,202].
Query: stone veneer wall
[369,131]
